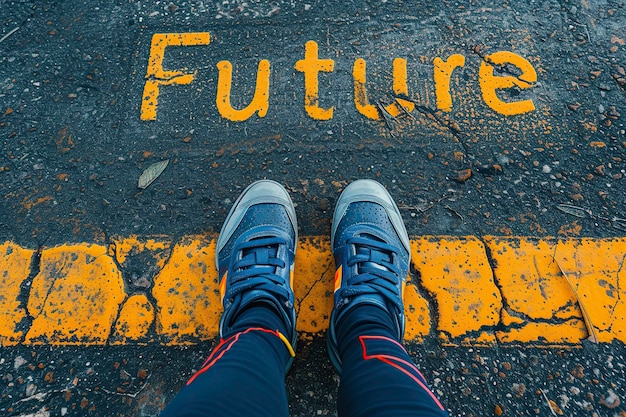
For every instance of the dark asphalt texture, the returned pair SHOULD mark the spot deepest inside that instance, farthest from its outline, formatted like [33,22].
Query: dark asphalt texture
[72,147]
[139,381]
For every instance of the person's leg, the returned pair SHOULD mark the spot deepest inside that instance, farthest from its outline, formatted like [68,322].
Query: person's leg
[243,376]
[378,376]
[372,254]
[245,372]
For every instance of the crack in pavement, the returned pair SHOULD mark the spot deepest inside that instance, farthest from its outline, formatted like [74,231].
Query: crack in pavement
[446,123]
[317,281]
[492,329]
[431,300]
[504,69]
[113,244]
[164,80]
[493,266]
[506,307]
[619,293]
[501,325]
[45,299]
[24,294]
[152,329]
[564,308]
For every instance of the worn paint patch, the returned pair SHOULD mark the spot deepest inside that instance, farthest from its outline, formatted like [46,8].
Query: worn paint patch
[595,268]
[313,284]
[74,299]
[123,247]
[465,291]
[535,292]
[157,76]
[14,269]
[457,275]
[188,304]
[136,317]
[545,334]
[417,313]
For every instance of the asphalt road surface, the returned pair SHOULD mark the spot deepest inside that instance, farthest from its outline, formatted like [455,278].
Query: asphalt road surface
[481,118]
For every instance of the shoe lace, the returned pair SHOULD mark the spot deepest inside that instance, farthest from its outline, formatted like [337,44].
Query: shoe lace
[376,271]
[256,270]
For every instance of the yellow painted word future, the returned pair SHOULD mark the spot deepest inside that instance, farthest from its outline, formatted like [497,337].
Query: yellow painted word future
[311,66]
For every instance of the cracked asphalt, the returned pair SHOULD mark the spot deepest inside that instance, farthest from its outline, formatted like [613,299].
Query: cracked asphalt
[431,99]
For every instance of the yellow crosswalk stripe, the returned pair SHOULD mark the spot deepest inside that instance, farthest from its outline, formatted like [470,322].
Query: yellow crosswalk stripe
[462,290]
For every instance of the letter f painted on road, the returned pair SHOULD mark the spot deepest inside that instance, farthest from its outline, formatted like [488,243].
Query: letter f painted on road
[156,76]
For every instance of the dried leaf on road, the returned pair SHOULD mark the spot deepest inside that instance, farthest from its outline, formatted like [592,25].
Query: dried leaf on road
[574,210]
[152,173]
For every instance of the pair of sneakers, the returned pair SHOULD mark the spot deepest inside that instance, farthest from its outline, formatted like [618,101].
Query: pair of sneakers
[256,250]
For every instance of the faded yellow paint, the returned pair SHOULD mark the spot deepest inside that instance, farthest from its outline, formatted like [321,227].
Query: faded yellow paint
[400,88]
[490,83]
[457,274]
[260,100]
[28,203]
[74,299]
[442,72]
[122,247]
[535,290]
[313,284]
[361,101]
[311,66]
[14,269]
[544,334]
[521,297]
[417,313]
[595,268]
[134,321]
[526,269]
[186,291]
[156,76]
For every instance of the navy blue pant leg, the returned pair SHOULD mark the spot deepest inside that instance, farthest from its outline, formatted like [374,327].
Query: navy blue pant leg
[243,376]
[378,377]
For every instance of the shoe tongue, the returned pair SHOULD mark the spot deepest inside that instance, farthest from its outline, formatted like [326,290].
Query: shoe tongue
[261,254]
[376,257]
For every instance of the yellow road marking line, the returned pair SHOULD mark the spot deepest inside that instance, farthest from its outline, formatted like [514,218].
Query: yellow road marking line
[463,290]
[14,267]
[75,296]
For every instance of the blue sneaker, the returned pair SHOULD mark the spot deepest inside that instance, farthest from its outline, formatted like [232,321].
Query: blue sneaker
[255,254]
[372,256]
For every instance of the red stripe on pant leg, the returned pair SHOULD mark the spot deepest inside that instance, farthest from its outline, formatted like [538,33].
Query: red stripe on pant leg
[397,362]
[223,347]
